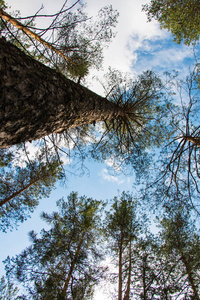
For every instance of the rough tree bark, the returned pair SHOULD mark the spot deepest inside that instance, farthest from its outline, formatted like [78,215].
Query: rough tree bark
[36,100]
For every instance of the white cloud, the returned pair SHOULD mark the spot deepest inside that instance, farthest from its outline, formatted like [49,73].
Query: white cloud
[135,38]
[121,53]
[114,163]
[106,176]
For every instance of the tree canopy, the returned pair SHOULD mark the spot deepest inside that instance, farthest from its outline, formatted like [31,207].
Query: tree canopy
[63,262]
[23,184]
[142,121]
[75,40]
[181,17]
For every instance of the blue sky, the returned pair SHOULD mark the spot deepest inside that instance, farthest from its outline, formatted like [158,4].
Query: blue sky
[137,47]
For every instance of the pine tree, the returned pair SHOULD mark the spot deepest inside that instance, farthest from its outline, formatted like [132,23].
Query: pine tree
[65,257]
[57,104]
[180,17]
[7,290]
[180,239]
[177,165]
[24,185]
[121,228]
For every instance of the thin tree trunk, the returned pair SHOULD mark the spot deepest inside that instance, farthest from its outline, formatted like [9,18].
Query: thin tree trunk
[15,194]
[64,291]
[36,100]
[17,24]
[144,278]
[120,270]
[127,293]
[190,277]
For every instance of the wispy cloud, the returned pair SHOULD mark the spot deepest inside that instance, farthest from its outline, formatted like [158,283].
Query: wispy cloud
[139,45]
[111,178]
[162,55]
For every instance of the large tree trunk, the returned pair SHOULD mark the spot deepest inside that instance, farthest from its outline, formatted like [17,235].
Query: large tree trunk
[36,100]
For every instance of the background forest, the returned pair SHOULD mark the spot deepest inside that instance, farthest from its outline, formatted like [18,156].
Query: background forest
[99,150]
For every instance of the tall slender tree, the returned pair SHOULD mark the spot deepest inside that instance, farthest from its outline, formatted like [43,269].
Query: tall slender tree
[180,238]
[121,227]
[144,268]
[64,257]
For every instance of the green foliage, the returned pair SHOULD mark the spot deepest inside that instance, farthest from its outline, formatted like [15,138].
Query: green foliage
[142,125]
[181,17]
[155,273]
[69,246]
[7,290]
[180,239]
[79,37]
[165,266]
[23,186]
[178,232]
[146,264]
[2,4]
[121,221]
[83,39]
[17,37]
[121,228]
[143,108]
[5,157]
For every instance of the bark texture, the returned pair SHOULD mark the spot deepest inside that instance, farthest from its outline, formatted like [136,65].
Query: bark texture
[36,100]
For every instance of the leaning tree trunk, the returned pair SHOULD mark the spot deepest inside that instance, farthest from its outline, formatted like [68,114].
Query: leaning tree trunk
[19,192]
[31,34]
[36,100]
